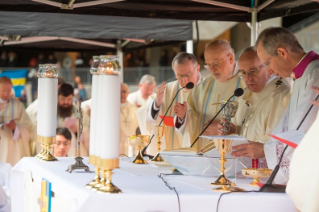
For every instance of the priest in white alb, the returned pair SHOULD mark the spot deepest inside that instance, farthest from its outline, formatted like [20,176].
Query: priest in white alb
[128,122]
[186,69]
[16,127]
[146,87]
[280,50]
[261,107]
[204,100]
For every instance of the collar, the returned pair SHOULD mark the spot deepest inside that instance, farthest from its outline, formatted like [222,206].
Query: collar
[271,78]
[124,104]
[199,80]
[304,62]
[235,71]
[2,101]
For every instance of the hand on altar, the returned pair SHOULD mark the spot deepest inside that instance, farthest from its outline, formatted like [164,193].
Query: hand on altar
[220,127]
[315,89]
[180,110]
[11,125]
[160,95]
[74,128]
[253,150]
[212,129]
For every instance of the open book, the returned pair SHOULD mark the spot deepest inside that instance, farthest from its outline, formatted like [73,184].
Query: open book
[291,138]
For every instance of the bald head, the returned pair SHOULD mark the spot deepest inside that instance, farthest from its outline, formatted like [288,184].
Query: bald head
[4,80]
[251,70]
[220,60]
[124,92]
[5,88]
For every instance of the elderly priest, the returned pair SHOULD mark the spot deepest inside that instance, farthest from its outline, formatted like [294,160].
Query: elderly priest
[204,100]
[280,50]
[146,88]
[262,105]
[186,69]
[15,129]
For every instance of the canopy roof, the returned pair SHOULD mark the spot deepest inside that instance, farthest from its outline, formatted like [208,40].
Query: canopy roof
[221,10]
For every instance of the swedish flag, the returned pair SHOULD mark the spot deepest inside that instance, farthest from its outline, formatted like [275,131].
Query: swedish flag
[18,78]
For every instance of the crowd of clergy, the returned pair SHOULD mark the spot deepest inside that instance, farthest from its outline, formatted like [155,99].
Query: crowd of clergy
[273,102]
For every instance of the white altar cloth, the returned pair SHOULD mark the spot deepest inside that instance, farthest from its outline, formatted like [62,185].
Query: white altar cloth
[142,190]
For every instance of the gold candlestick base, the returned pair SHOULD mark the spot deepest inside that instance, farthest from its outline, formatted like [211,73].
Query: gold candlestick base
[96,179]
[45,154]
[101,182]
[108,187]
[223,181]
[157,158]
[225,189]
[139,158]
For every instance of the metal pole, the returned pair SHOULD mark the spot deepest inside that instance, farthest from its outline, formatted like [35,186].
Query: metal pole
[253,29]
[120,55]
[189,46]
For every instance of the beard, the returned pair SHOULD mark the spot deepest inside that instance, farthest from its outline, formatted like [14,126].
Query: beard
[65,110]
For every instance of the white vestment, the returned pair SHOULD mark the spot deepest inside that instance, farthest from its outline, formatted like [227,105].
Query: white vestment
[303,184]
[15,145]
[203,104]
[136,99]
[171,139]
[128,126]
[297,108]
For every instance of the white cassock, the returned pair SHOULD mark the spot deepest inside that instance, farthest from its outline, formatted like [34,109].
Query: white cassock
[303,184]
[259,113]
[15,145]
[136,99]
[32,111]
[171,139]
[297,108]
[128,126]
[203,104]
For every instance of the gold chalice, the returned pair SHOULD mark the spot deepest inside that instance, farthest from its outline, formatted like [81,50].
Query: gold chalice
[256,174]
[159,134]
[139,141]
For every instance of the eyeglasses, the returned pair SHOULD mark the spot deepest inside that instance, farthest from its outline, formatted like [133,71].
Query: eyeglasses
[66,143]
[216,64]
[189,75]
[266,64]
[252,73]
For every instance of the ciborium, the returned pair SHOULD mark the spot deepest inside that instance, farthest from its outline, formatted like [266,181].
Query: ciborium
[159,135]
[139,141]
[228,112]
[256,174]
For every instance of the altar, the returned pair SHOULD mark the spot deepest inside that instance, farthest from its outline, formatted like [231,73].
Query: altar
[142,190]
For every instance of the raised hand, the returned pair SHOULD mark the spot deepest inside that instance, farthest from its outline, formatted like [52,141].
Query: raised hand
[160,95]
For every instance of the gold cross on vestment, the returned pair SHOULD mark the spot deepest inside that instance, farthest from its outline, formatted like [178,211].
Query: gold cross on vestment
[217,103]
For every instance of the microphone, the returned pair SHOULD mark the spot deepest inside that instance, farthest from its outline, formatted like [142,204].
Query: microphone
[269,187]
[238,92]
[189,86]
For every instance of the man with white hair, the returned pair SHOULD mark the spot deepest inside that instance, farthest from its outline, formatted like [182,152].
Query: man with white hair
[204,100]
[146,88]
[186,69]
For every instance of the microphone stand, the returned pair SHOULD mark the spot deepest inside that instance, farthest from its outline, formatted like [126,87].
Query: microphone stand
[211,121]
[144,149]
[269,187]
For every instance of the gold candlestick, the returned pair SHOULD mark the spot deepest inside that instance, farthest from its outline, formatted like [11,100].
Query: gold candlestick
[108,187]
[96,179]
[159,134]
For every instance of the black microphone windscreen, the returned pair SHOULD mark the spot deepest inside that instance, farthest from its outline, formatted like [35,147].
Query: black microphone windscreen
[238,92]
[190,85]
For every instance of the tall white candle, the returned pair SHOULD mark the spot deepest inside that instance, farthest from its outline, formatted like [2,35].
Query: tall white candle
[40,106]
[49,106]
[109,116]
[94,115]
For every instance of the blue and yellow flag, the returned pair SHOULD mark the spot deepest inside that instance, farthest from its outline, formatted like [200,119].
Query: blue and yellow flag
[18,78]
